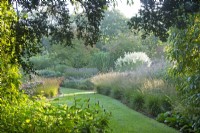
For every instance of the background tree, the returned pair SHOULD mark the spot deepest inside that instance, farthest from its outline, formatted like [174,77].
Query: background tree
[113,25]
[37,19]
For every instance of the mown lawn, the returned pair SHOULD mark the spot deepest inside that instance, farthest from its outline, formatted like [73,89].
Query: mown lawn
[124,119]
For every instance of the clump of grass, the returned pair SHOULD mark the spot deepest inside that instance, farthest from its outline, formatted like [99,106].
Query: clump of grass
[49,87]
[138,101]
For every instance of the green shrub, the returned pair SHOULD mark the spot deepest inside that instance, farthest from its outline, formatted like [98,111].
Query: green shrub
[103,90]
[78,84]
[117,93]
[86,85]
[138,101]
[127,97]
[70,84]
[48,73]
[153,105]
[39,117]
[165,104]
[60,68]
[41,62]
[79,73]
[179,121]
[101,61]
[118,47]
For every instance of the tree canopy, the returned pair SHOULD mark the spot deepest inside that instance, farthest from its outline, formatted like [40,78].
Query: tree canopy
[158,16]
[46,18]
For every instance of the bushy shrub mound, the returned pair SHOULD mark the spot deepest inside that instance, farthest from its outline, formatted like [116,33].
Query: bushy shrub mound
[131,61]
[80,72]
[78,84]
[48,73]
[33,116]
[49,87]
[179,121]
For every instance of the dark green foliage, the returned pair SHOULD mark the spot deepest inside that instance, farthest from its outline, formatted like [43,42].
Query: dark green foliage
[41,62]
[156,104]
[38,117]
[150,104]
[78,84]
[68,73]
[138,101]
[70,84]
[180,20]
[153,106]
[179,121]
[33,24]
[159,16]
[80,73]
[30,30]
[184,50]
[48,73]
[60,68]
[101,61]
[103,90]
[19,113]
[166,104]
[117,93]
[87,85]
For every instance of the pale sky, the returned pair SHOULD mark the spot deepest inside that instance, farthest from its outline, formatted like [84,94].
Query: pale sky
[127,10]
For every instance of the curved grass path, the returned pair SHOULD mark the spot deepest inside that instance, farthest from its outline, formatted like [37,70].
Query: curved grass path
[123,120]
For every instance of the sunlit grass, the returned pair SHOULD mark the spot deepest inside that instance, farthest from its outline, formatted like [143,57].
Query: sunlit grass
[123,120]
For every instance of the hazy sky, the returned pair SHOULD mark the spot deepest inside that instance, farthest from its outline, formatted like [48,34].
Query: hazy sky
[127,10]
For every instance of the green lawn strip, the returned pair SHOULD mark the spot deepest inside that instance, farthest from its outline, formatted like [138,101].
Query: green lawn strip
[124,119]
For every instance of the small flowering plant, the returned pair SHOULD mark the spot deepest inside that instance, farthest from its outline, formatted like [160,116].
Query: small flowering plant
[131,60]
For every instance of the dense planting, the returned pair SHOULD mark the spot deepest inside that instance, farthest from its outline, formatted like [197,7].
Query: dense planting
[145,89]
[19,113]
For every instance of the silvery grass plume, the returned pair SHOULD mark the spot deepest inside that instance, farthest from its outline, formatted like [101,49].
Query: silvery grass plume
[132,58]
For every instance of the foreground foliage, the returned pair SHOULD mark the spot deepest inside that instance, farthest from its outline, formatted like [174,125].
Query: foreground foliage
[19,113]
[33,116]
[184,52]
